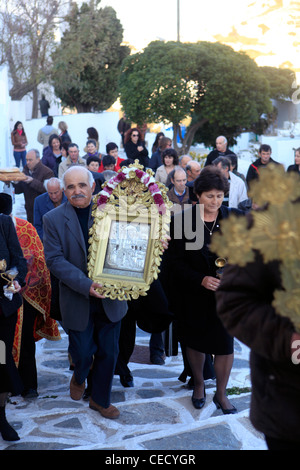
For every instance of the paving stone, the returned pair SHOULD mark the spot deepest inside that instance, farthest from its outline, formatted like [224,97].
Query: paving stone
[72,423]
[153,373]
[150,393]
[241,364]
[208,438]
[67,405]
[148,413]
[47,381]
[117,396]
[61,364]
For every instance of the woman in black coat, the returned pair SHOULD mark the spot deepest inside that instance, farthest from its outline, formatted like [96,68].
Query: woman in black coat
[11,252]
[135,148]
[192,263]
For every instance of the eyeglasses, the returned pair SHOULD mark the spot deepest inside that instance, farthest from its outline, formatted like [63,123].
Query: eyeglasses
[134,135]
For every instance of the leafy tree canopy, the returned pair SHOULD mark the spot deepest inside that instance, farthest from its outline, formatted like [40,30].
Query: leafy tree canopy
[87,62]
[280,81]
[171,81]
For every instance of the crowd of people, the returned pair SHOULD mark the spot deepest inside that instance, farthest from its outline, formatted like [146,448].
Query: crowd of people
[58,192]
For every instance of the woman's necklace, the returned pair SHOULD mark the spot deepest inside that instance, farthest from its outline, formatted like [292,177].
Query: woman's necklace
[210,230]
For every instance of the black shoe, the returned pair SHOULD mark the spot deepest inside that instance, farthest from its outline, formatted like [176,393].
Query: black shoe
[229,411]
[126,380]
[6,430]
[29,393]
[157,360]
[199,402]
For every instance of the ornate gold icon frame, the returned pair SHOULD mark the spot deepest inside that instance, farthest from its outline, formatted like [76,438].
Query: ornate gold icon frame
[131,218]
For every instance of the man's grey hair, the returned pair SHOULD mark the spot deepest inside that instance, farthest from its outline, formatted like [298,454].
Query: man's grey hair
[76,168]
[222,137]
[225,162]
[183,156]
[37,153]
[191,164]
[52,181]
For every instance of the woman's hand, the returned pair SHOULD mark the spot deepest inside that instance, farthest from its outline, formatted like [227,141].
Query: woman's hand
[210,283]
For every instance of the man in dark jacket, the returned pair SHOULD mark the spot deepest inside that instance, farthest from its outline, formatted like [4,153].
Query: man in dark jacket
[244,304]
[263,160]
[33,186]
[221,150]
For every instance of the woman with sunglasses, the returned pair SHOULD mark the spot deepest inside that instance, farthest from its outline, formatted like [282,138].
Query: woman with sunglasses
[135,148]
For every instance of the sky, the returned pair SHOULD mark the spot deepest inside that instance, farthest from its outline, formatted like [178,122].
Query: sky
[145,21]
[270,27]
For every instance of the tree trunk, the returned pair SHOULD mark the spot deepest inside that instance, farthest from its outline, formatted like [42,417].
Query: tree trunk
[81,108]
[187,141]
[34,113]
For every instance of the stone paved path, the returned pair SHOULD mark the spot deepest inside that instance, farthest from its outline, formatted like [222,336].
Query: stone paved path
[156,414]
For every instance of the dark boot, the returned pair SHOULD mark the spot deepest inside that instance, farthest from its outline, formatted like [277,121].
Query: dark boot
[7,431]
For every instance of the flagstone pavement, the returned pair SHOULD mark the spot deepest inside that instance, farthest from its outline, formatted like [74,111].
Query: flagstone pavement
[155,414]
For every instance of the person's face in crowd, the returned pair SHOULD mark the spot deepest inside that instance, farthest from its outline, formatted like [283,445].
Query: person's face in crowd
[114,153]
[168,160]
[94,166]
[55,145]
[297,157]
[55,192]
[225,171]
[265,157]
[184,161]
[221,144]
[211,200]
[64,152]
[91,148]
[135,137]
[74,154]
[194,170]
[167,145]
[32,160]
[77,188]
[179,181]
[109,167]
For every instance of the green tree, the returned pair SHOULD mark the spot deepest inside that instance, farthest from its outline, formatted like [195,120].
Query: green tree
[280,81]
[280,88]
[171,81]
[88,59]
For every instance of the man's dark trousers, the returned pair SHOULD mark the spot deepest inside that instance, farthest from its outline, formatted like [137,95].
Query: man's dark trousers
[96,346]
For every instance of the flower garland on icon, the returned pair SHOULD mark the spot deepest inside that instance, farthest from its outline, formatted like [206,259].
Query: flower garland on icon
[127,173]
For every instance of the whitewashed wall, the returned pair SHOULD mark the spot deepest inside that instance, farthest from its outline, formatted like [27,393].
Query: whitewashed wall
[5,146]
